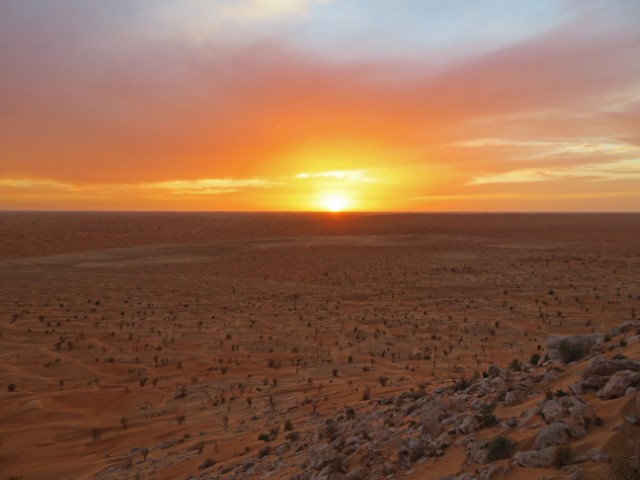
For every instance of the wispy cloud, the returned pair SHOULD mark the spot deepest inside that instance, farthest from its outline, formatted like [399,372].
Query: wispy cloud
[209,186]
[617,170]
[351,175]
[21,183]
[203,186]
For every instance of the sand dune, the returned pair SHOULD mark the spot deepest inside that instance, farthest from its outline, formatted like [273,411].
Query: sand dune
[191,335]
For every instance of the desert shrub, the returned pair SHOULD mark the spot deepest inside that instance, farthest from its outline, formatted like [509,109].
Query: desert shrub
[181,418]
[336,465]
[366,393]
[461,384]
[624,468]
[209,462]
[515,365]
[487,418]
[350,413]
[329,429]
[292,436]
[11,387]
[563,455]
[264,451]
[288,426]
[571,353]
[499,448]
[534,359]
[182,392]
[561,393]
[383,381]
[271,363]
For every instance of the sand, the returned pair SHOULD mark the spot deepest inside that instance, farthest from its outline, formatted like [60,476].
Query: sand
[191,334]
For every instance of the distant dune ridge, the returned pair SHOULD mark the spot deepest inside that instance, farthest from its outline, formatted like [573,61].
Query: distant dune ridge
[319,346]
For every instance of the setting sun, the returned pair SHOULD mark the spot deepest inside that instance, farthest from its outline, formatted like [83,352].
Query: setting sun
[334,202]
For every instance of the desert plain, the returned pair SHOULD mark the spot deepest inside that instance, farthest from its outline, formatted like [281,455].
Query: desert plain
[290,345]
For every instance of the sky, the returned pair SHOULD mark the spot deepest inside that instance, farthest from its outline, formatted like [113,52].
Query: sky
[373,105]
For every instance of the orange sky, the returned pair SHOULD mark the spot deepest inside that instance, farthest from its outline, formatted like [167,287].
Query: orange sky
[422,105]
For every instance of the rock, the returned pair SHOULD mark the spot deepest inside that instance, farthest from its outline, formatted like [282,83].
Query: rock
[511,422]
[462,476]
[431,416]
[576,388]
[594,382]
[632,420]
[598,455]
[605,367]
[355,474]
[478,452]
[567,347]
[553,434]
[577,474]
[469,425]
[536,458]
[624,328]
[630,392]
[513,397]
[551,411]
[457,403]
[487,472]
[633,340]
[388,468]
[618,384]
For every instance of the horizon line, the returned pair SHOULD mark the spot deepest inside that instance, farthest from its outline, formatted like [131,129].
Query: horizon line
[350,212]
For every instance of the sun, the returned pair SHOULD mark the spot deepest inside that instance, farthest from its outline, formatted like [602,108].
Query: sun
[334,202]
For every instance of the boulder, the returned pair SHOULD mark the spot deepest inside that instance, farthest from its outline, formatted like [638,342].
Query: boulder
[536,458]
[624,328]
[478,451]
[469,424]
[605,367]
[551,411]
[553,434]
[513,397]
[618,384]
[594,382]
[598,455]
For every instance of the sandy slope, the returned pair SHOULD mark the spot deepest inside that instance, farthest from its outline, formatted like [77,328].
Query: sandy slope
[151,317]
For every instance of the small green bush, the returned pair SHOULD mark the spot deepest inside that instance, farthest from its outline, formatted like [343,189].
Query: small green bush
[487,418]
[562,455]
[571,353]
[499,448]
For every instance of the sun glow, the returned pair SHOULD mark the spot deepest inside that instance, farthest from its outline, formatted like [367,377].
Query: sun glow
[334,202]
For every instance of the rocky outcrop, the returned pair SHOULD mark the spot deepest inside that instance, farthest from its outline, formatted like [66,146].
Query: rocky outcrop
[604,367]
[618,384]
[536,458]
[553,434]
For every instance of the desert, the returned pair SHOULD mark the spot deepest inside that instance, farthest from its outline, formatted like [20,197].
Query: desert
[319,346]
